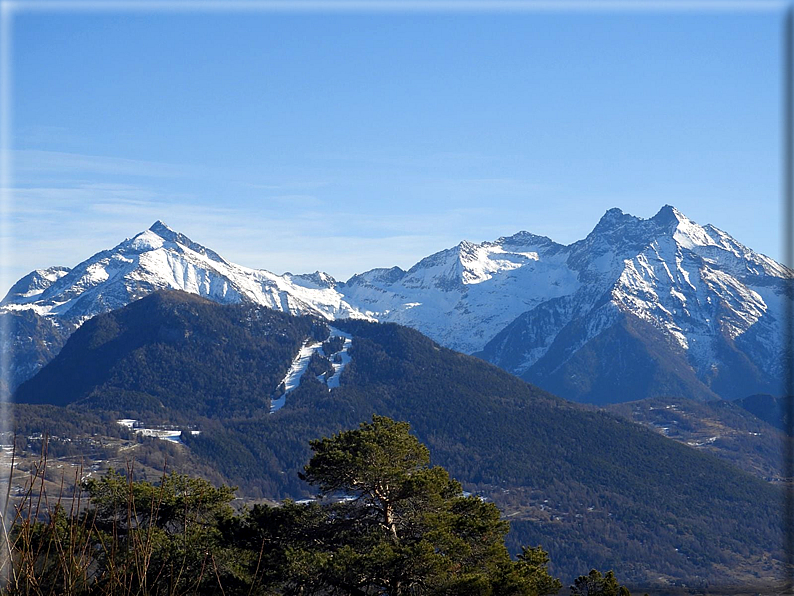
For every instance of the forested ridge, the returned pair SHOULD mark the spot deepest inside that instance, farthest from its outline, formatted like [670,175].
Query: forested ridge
[589,486]
[174,351]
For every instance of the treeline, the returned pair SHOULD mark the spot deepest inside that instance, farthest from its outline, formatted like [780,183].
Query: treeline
[398,526]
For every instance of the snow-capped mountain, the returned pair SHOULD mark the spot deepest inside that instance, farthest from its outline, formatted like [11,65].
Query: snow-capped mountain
[461,297]
[160,258]
[45,306]
[686,307]
[664,306]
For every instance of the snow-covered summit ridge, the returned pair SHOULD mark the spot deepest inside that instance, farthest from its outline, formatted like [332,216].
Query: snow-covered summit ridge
[692,282]
[33,284]
[161,258]
[166,233]
[715,301]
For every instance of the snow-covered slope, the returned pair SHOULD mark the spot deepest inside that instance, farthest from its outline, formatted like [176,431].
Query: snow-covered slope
[691,291]
[33,284]
[523,302]
[301,362]
[160,258]
[461,297]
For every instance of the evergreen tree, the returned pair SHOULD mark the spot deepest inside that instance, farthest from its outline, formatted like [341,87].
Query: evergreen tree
[402,526]
[595,584]
[161,539]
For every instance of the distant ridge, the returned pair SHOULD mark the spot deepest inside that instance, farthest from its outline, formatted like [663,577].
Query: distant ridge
[639,308]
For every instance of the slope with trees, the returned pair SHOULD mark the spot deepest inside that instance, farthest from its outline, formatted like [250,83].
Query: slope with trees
[405,529]
[589,486]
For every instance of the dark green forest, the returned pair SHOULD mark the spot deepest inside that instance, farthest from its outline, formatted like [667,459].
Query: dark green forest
[402,528]
[589,486]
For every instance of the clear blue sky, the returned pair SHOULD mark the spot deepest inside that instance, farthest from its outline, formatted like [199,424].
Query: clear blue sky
[346,141]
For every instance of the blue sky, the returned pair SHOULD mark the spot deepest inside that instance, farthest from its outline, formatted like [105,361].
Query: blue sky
[343,141]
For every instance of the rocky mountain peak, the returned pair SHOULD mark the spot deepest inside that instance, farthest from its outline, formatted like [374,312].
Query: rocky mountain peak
[669,216]
[318,279]
[523,238]
[528,303]
[163,231]
[611,220]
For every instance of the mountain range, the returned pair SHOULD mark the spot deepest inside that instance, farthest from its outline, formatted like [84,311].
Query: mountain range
[639,308]
[594,489]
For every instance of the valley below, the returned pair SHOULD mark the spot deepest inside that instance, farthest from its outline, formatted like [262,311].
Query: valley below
[611,397]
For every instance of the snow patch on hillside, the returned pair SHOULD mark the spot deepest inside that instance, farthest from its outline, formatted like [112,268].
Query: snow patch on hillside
[163,432]
[342,355]
[295,372]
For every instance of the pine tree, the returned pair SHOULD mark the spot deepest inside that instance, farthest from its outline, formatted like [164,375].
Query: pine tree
[595,584]
[404,526]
